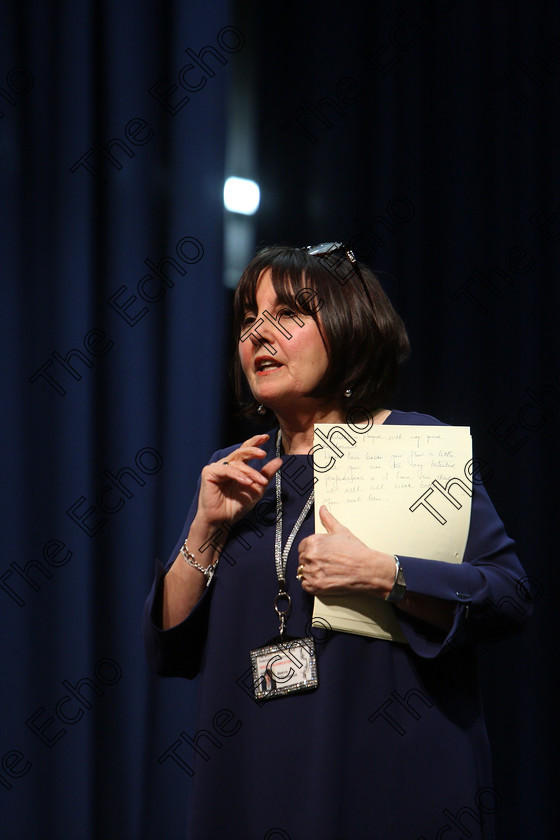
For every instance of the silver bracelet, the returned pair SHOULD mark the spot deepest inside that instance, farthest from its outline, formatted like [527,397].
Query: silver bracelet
[208,572]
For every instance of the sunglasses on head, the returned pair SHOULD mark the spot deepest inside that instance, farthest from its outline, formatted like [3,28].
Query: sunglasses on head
[325,249]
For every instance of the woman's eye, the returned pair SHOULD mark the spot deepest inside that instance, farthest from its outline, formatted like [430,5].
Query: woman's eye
[247,321]
[288,312]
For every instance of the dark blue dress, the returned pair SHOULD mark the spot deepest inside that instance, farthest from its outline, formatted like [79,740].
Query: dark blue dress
[392,745]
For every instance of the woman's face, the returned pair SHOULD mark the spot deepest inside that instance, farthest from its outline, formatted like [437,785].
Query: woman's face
[283,357]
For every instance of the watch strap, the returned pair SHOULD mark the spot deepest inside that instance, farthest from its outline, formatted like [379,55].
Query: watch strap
[398,591]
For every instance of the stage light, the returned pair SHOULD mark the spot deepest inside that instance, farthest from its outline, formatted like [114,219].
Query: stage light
[241,195]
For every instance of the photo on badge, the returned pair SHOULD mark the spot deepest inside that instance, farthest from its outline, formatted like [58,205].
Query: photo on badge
[284,668]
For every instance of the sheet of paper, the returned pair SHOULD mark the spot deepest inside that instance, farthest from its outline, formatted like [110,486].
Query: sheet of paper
[401,489]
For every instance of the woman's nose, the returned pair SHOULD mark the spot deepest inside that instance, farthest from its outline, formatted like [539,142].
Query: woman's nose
[262,333]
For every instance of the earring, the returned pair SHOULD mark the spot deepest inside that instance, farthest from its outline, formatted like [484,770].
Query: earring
[261,409]
[348,393]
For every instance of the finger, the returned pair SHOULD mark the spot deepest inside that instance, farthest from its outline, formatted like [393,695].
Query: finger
[251,448]
[332,525]
[256,440]
[236,471]
[271,468]
[245,453]
[232,473]
[313,546]
[307,586]
[248,474]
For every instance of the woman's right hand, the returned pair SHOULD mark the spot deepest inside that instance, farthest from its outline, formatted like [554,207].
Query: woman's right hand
[230,488]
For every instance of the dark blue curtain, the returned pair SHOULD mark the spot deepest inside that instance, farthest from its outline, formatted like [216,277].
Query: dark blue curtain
[112,127]
[424,133]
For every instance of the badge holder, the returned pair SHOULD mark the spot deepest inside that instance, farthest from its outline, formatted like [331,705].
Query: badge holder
[285,665]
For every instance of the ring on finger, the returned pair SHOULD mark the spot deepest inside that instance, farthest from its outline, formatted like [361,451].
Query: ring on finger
[225,463]
[300,571]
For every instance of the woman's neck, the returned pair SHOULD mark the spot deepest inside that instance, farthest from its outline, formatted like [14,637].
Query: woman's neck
[297,432]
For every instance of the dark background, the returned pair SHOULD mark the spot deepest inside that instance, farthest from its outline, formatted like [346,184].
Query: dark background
[424,133]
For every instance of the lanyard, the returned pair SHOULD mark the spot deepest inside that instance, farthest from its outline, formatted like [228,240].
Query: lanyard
[284,665]
[281,556]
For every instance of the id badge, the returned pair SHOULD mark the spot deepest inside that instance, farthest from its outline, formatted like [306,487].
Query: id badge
[284,667]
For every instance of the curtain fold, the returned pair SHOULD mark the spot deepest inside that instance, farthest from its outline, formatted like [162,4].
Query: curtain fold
[114,337]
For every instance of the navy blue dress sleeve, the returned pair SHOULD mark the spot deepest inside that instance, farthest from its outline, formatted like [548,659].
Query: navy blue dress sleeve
[488,588]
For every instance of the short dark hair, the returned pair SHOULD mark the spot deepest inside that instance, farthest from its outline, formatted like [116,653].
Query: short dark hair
[365,348]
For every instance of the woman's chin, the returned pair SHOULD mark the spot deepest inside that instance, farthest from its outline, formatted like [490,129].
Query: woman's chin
[271,396]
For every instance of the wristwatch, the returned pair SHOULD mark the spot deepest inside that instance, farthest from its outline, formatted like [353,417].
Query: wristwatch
[398,591]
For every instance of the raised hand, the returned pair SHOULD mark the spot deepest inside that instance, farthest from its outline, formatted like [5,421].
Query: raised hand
[230,488]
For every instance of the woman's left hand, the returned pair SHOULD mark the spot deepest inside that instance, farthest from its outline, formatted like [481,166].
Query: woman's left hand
[338,562]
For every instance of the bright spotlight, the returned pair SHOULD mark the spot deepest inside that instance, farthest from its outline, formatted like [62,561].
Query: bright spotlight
[241,196]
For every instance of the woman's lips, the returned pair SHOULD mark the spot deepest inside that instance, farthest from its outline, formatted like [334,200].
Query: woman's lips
[268,369]
[266,364]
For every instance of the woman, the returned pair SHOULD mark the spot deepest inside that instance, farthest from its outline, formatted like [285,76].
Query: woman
[392,741]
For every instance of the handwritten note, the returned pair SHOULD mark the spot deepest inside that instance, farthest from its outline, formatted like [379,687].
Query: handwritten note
[404,490]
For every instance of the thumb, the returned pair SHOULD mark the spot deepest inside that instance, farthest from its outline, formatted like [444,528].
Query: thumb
[332,525]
